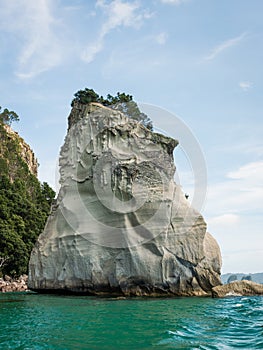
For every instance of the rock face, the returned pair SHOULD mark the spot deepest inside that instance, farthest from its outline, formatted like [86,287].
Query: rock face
[25,151]
[238,288]
[121,225]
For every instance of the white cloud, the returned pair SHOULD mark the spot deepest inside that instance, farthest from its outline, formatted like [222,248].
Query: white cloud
[225,45]
[245,85]
[119,13]
[234,216]
[225,219]
[91,51]
[240,192]
[32,23]
[173,2]
[161,38]
[246,261]
[254,148]
[251,171]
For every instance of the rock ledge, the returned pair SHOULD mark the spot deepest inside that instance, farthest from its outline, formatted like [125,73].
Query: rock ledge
[238,288]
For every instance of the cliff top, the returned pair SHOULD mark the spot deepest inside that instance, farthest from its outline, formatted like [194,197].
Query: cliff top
[10,139]
[80,111]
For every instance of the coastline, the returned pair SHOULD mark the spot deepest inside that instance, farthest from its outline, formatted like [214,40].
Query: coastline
[9,284]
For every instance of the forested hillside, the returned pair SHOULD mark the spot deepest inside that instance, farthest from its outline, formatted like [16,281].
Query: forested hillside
[24,202]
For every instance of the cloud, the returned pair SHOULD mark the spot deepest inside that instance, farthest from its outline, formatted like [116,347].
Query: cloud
[118,14]
[173,2]
[251,172]
[247,147]
[91,51]
[234,215]
[245,85]
[33,24]
[161,38]
[241,191]
[225,219]
[225,45]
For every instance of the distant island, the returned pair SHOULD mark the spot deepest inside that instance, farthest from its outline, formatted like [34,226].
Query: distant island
[231,277]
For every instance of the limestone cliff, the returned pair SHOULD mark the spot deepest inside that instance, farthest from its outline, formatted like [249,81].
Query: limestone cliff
[121,225]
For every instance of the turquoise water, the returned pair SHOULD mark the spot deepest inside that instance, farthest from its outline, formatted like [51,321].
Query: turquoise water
[31,321]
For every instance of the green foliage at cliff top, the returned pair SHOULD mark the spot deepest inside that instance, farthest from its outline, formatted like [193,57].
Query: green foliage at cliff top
[121,102]
[8,117]
[24,206]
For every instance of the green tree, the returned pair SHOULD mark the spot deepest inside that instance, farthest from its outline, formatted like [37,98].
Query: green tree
[85,96]
[24,206]
[13,251]
[8,117]
[22,219]
[131,110]
[122,102]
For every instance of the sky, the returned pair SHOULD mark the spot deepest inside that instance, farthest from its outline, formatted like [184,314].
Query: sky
[200,61]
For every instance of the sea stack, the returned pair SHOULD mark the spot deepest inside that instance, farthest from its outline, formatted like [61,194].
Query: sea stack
[120,224]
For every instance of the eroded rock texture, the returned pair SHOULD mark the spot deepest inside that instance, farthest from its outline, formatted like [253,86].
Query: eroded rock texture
[121,225]
[238,288]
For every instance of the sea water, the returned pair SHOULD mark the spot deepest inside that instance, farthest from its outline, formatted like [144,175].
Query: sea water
[32,321]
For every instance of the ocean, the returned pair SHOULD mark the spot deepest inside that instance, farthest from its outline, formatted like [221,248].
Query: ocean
[34,322]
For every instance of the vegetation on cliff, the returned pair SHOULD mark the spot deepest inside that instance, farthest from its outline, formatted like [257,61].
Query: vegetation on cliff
[24,204]
[121,102]
[7,117]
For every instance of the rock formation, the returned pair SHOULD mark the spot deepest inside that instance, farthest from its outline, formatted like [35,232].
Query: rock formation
[25,151]
[120,224]
[7,284]
[238,288]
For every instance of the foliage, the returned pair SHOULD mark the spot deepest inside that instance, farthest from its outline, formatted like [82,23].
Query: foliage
[7,117]
[132,110]
[24,207]
[86,96]
[121,102]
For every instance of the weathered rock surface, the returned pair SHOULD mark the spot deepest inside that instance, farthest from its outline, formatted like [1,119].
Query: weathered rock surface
[121,225]
[238,288]
[7,284]
[25,151]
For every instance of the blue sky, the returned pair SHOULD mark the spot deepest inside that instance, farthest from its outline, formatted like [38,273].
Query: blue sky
[199,59]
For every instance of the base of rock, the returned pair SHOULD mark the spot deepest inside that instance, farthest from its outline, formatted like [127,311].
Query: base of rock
[127,288]
[238,288]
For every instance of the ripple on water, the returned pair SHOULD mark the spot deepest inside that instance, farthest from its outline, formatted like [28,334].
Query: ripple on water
[39,322]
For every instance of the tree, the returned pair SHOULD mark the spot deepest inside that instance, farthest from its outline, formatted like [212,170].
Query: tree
[47,193]
[131,110]
[85,96]
[13,250]
[120,98]
[3,261]
[22,219]
[121,102]
[8,117]
[24,207]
